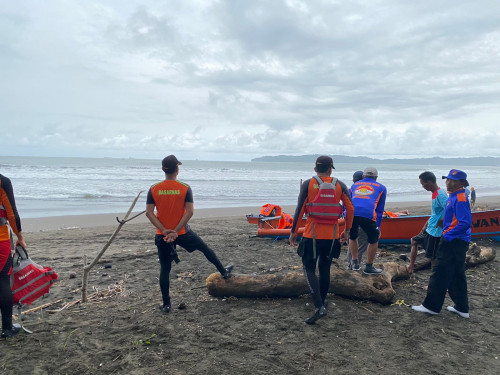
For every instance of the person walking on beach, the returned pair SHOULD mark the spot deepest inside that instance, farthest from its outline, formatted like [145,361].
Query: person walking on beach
[319,199]
[431,232]
[448,273]
[8,215]
[174,205]
[472,197]
[362,237]
[369,201]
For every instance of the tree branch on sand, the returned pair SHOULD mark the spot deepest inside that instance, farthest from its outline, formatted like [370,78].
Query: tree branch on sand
[343,283]
[87,268]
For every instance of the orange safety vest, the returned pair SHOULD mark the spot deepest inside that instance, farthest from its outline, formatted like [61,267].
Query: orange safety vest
[170,197]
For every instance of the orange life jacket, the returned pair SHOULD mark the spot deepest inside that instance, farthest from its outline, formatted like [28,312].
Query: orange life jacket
[286,221]
[325,208]
[269,210]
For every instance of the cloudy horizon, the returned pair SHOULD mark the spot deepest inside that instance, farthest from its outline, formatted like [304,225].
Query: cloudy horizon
[235,80]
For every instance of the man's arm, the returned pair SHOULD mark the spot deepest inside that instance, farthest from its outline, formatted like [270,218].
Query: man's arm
[349,211]
[9,204]
[299,211]
[464,217]
[380,207]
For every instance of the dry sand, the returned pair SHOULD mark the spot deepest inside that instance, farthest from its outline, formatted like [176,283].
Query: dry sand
[127,334]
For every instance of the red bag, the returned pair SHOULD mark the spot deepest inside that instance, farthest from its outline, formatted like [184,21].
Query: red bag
[30,281]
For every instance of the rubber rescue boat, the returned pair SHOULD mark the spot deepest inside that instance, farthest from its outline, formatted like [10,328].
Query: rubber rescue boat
[394,229]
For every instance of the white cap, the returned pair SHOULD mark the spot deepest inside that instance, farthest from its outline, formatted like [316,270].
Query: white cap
[370,172]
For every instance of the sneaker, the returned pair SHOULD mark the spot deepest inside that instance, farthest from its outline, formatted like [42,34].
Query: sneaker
[422,308]
[454,310]
[318,314]
[165,308]
[370,270]
[227,274]
[355,265]
[6,333]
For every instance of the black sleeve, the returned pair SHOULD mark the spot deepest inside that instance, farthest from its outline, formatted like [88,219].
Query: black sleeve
[304,191]
[150,199]
[189,196]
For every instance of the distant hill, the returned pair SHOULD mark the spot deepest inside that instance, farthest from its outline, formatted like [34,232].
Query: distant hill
[493,161]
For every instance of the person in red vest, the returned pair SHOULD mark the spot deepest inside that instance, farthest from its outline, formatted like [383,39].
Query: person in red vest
[8,215]
[321,239]
[174,205]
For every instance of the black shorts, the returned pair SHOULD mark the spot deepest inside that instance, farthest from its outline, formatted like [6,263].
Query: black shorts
[368,225]
[189,241]
[324,249]
[429,244]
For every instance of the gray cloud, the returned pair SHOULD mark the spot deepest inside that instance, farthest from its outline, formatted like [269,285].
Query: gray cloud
[237,79]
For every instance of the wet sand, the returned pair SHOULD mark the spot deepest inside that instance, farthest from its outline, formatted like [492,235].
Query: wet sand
[127,334]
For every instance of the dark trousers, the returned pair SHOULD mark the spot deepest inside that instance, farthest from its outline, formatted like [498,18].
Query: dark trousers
[166,254]
[448,274]
[5,289]
[325,250]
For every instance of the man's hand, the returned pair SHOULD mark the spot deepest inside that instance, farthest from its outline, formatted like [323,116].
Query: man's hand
[293,239]
[409,267]
[170,237]
[344,237]
[20,240]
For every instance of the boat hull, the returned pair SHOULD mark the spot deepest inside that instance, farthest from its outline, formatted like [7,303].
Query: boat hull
[485,224]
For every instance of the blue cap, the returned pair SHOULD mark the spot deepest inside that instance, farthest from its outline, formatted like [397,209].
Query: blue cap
[358,175]
[456,174]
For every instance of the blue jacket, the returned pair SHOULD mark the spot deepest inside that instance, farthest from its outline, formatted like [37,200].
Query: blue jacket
[368,198]
[457,217]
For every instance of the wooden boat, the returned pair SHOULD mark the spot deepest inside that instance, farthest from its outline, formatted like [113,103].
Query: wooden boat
[485,224]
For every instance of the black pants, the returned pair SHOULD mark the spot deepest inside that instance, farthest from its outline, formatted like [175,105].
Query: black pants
[6,293]
[166,253]
[319,288]
[448,274]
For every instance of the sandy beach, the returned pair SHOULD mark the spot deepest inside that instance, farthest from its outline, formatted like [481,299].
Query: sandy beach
[124,332]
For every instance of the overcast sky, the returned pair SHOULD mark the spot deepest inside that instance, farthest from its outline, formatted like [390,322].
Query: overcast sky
[232,80]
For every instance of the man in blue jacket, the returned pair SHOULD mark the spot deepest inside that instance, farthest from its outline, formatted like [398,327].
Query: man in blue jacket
[448,273]
[368,198]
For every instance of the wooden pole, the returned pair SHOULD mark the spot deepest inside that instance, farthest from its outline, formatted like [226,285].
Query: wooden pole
[87,268]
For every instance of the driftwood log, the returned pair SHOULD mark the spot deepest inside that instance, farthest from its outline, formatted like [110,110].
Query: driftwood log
[343,283]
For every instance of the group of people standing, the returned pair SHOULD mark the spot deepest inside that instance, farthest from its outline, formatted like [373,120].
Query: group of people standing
[445,236]
[324,200]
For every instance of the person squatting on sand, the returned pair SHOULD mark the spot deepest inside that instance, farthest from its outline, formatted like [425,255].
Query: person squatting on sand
[431,232]
[320,241]
[448,273]
[8,215]
[174,205]
[362,237]
[368,200]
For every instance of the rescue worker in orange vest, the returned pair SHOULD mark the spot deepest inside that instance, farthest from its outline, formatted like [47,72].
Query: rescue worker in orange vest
[8,215]
[321,241]
[174,205]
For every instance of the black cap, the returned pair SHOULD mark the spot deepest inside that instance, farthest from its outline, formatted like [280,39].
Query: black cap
[324,162]
[169,164]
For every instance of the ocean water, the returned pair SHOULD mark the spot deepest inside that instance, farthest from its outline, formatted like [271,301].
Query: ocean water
[73,186]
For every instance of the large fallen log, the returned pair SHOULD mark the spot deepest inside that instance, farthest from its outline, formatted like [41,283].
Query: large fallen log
[343,283]
[293,284]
